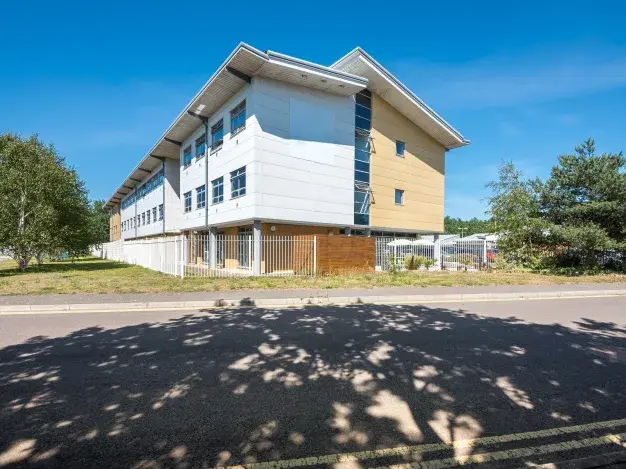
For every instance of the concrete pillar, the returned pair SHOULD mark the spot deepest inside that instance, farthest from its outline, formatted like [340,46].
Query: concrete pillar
[213,247]
[437,252]
[257,247]
[348,231]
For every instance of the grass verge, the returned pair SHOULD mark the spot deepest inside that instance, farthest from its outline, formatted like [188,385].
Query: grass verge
[92,275]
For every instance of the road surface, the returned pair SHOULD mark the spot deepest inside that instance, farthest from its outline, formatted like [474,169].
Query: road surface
[346,387]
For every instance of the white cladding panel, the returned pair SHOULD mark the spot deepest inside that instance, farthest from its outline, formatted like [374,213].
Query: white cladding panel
[298,151]
[305,148]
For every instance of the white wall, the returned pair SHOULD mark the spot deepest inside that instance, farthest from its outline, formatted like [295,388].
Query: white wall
[173,211]
[298,150]
[304,149]
[153,200]
[236,152]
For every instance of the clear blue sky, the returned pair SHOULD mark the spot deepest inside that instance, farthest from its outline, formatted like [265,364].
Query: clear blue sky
[525,82]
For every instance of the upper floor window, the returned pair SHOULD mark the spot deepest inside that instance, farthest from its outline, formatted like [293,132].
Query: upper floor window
[238,183]
[363,110]
[238,118]
[201,196]
[161,212]
[148,217]
[143,219]
[399,197]
[400,148]
[218,190]
[217,135]
[187,157]
[200,146]
[187,198]
[154,214]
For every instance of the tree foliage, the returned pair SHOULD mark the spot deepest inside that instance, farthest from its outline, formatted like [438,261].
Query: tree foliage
[43,203]
[466,227]
[580,209]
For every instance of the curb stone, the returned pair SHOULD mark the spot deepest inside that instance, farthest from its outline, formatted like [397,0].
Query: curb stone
[303,301]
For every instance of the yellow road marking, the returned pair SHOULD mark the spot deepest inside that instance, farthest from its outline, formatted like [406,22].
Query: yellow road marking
[428,448]
[512,453]
[284,306]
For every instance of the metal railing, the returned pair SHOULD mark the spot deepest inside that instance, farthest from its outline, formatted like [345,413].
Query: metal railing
[217,255]
[419,254]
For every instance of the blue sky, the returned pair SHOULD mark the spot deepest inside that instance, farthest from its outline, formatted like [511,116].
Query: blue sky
[524,82]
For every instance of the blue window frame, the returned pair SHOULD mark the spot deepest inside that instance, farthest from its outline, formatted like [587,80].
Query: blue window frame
[187,157]
[400,148]
[143,219]
[161,212]
[238,183]
[148,217]
[201,196]
[154,214]
[217,135]
[200,146]
[187,199]
[238,118]
[218,190]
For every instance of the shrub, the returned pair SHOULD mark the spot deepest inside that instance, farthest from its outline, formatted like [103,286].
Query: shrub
[428,263]
[413,262]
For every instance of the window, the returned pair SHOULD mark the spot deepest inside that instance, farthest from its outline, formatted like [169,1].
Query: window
[148,217]
[200,146]
[143,219]
[161,212]
[217,135]
[187,157]
[154,214]
[400,148]
[201,196]
[399,197]
[238,183]
[363,110]
[238,118]
[361,207]
[187,197]
[218,190]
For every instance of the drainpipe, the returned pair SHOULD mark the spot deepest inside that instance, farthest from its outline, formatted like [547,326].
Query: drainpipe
[163,162]
[206,172]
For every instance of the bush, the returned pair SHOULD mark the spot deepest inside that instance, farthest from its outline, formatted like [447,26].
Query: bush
[413,262]
[428,263]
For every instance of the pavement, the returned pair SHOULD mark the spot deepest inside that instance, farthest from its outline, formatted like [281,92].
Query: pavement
[270,298]
[502,384]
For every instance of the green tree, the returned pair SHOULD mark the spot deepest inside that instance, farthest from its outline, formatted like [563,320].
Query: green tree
[98,222]
[585,200]
[466,227]
[43,203]
[515,209]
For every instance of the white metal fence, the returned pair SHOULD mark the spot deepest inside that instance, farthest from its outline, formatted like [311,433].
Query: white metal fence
[417,254]
[212,255]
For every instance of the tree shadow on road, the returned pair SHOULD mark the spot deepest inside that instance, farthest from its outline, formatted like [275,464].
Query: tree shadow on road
[233,386]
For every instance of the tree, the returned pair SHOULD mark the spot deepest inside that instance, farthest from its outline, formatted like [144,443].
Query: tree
[98,222]
[585,199]
[514,207]
[43,203]
[466,227]
[577,212]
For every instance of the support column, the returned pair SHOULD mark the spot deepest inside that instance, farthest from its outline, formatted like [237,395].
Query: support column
[213,247]
[257,247]
[437,252]
[348,231]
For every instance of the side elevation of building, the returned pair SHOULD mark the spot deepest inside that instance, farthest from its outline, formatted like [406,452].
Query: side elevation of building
[286,146]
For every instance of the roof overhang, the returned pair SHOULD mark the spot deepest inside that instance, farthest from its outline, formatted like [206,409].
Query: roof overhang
[388,87]
[235,73]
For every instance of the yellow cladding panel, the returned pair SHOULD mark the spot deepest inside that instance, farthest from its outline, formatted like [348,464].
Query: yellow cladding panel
[420,174]
[115,231]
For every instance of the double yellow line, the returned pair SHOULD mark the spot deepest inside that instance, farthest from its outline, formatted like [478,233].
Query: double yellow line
[416,450]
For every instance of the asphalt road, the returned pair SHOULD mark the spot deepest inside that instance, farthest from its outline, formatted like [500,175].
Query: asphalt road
[315,387]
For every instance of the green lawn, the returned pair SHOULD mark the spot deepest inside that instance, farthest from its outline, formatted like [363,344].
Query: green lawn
[91,275]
